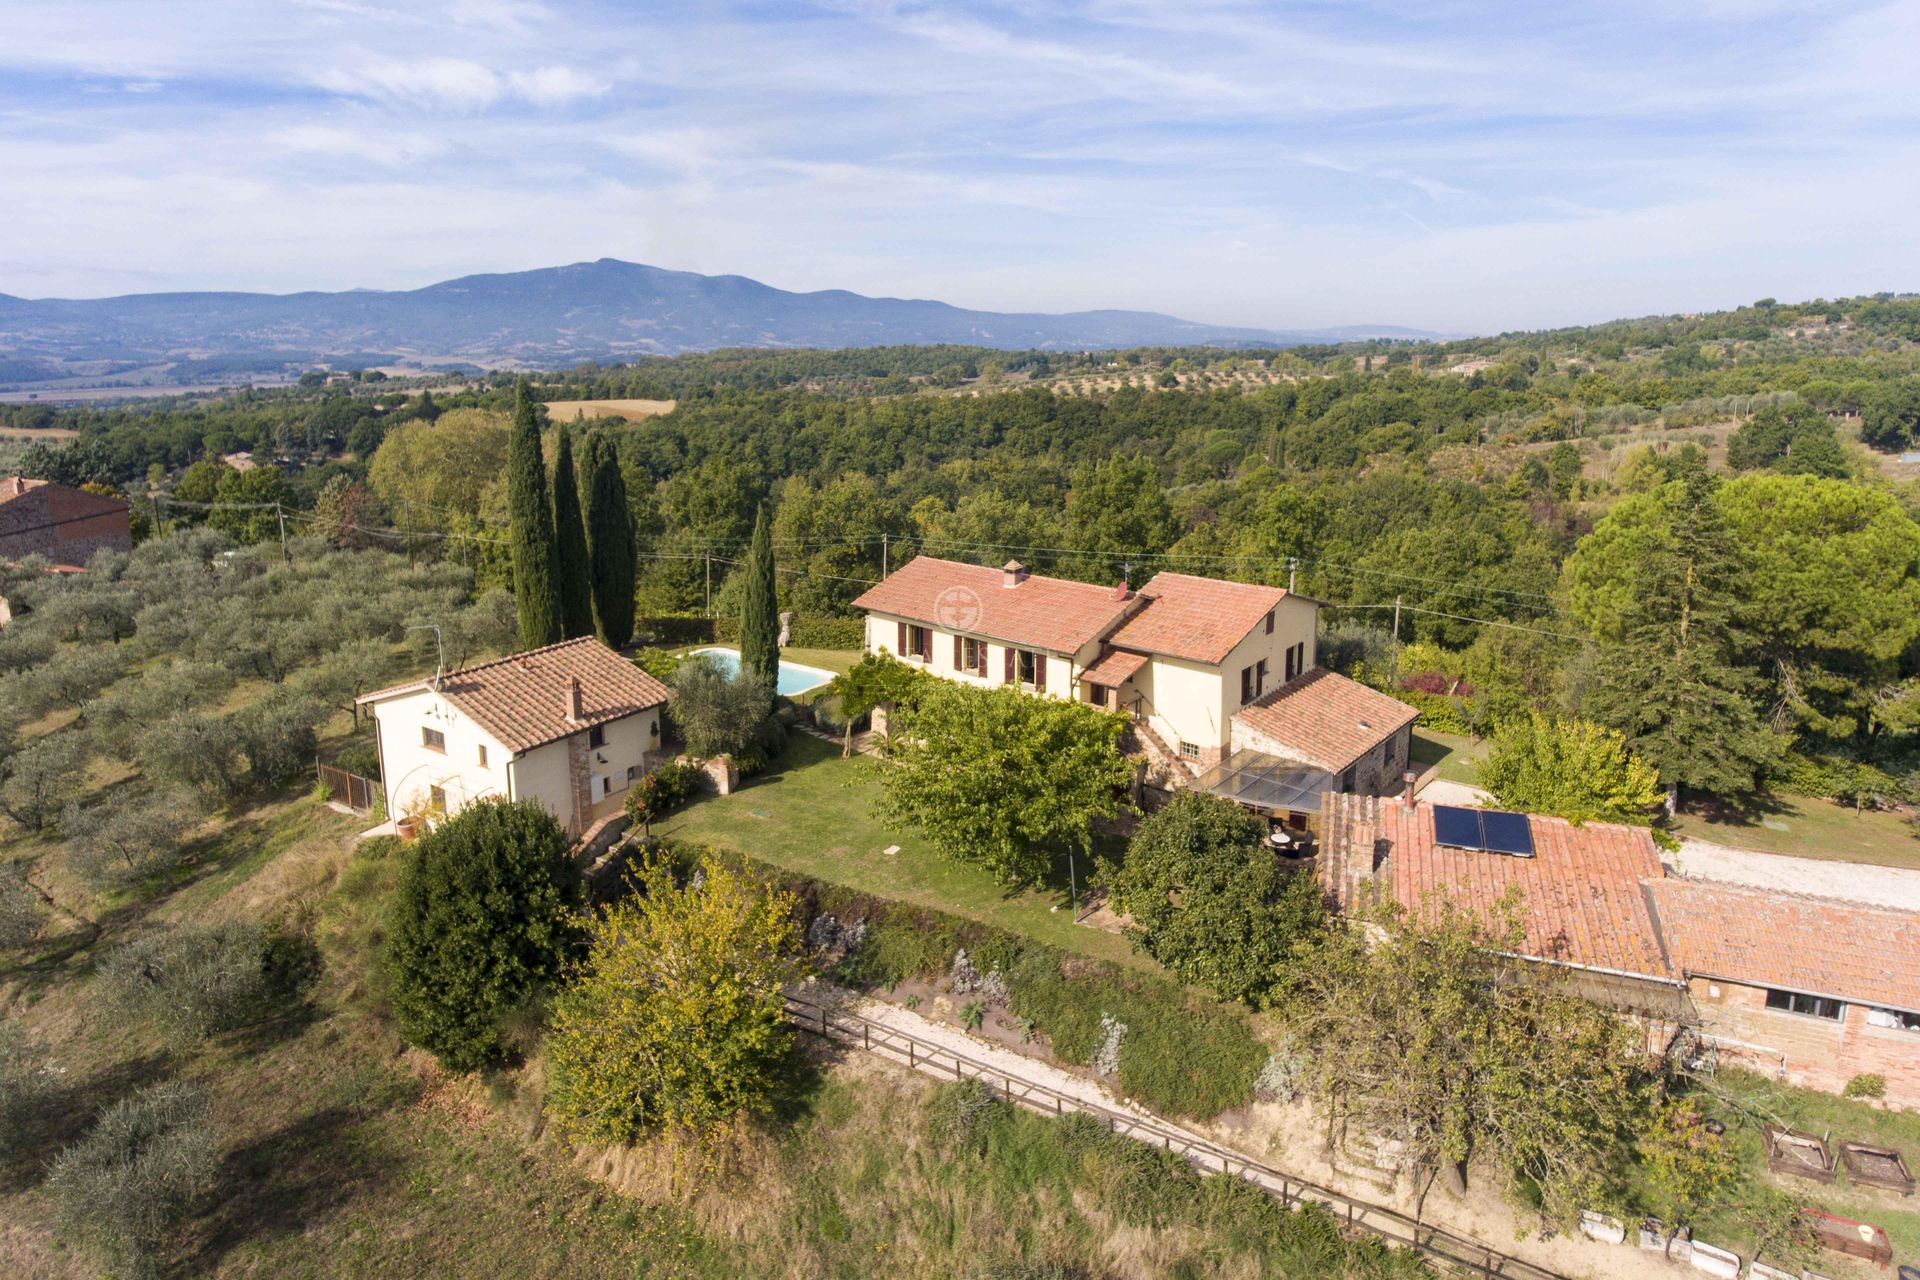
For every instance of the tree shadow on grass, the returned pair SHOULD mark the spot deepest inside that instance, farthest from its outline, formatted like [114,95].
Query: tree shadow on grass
[69,1112]
[283,1183]
[1737,811]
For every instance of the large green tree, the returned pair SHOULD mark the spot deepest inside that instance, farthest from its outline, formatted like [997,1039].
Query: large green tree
[571,572]
[1210,900]
[536,589]
[676,1020]
[1671,673]
[1572,769]
[611,550]
[485,914]
[1005,779]
[1426,1030]
[1835,598]
[760,614]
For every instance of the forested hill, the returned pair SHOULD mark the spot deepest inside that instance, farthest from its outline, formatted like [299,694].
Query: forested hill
[588,310]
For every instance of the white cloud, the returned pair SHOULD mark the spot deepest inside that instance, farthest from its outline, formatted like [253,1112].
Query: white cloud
[456,84]
[555,86]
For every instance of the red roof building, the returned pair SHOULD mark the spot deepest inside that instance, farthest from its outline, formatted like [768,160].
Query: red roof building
[63,525]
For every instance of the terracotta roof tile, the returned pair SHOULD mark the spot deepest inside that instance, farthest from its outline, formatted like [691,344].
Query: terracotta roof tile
[1582,893]
[1040,613]
[522,700]
[1113,667]
[1325,719]
[1199,619]
[1820,946]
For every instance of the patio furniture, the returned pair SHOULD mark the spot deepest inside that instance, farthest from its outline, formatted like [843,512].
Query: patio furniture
[1876,1167]
[1800,1154]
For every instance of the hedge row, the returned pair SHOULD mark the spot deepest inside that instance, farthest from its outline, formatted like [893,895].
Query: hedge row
[675,629]
[1181,1054]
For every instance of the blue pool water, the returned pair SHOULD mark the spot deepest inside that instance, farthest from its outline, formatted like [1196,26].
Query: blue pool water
[794,678]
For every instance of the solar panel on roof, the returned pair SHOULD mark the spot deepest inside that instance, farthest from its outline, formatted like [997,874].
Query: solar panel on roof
[1506,833]
[1459,828]
[1483,830]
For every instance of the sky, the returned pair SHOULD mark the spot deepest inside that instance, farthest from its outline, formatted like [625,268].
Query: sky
[1461,167]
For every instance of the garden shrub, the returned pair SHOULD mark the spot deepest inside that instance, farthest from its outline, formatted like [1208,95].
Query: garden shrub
[1866,1085]
[676,630]
[662,790]
[486,913]
[1833,777]
[1182,1054]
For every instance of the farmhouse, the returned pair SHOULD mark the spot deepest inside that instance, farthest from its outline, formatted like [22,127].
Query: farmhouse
[569,726]
[1811,990]
[1219,678]
[63,525]
[1814,989]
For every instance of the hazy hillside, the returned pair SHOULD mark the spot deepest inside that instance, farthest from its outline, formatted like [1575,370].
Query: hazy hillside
[554,316]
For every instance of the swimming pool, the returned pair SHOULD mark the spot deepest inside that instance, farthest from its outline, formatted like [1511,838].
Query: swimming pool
[794,677]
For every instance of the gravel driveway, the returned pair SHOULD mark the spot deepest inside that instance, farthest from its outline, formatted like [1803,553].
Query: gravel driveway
[1856,881]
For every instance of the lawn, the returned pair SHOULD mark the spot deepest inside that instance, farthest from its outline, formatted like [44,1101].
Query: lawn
[1808,829]
[814,813]
[1455,758]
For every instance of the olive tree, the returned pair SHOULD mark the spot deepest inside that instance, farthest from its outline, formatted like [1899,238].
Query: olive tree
[716,713]
[128,1185]
[194,980]
[123,840]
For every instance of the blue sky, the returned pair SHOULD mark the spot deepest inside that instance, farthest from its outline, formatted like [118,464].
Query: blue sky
[1459,166]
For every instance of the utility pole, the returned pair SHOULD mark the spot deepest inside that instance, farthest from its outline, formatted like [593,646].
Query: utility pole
[1396,640]
[708,557]
[884,571]
[1293,570]
[281,512]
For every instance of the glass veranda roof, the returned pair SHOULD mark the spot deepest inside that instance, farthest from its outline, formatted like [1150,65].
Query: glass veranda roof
[1267,782]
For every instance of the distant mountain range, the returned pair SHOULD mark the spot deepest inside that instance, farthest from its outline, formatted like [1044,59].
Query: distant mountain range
[607,310]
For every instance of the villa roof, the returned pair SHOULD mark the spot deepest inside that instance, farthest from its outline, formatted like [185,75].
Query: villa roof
[1820,946]
[1038,612]
[1199,619]
[523,700]
[1582,895]
[1325,719]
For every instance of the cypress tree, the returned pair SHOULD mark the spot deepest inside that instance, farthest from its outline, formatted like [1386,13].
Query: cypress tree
[570,543]
[610,543]
[1674,684]
[760,616]
[531,527]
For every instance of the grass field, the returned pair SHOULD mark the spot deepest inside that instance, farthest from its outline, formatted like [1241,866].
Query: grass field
[1809,829]
[631,410]
[1456,758]
[814,813]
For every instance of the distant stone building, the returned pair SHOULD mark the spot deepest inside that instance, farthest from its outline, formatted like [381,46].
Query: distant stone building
[66,526]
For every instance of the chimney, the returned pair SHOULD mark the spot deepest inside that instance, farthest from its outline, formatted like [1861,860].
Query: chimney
[576,712]
[1012,573]
[1410,778]
[1122,591]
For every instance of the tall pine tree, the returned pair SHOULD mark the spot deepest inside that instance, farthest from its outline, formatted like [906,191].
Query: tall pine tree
[610,543]
[760,616]
[535,592]
[570,543]
[1674,683]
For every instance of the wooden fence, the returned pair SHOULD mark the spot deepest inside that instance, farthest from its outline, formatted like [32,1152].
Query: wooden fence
[349,789]
[1455,1254]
